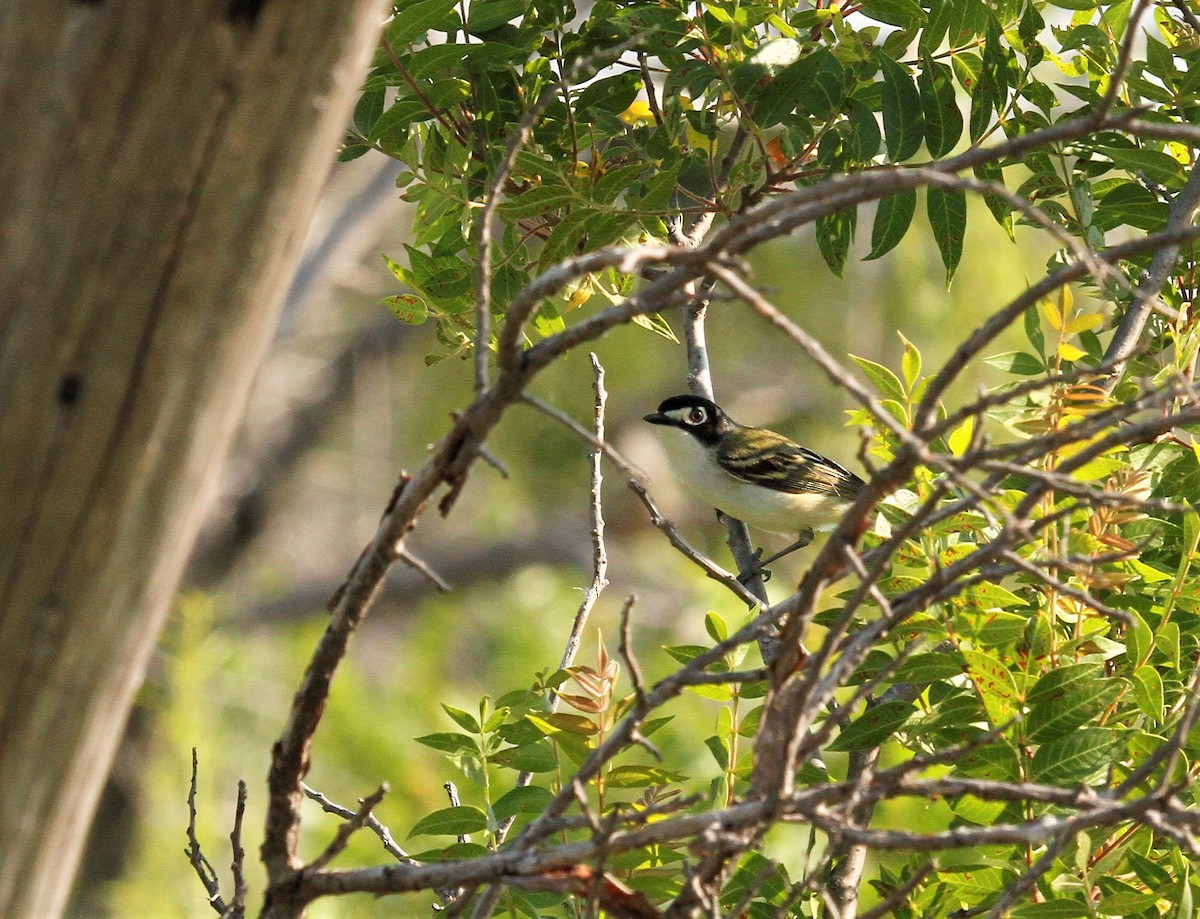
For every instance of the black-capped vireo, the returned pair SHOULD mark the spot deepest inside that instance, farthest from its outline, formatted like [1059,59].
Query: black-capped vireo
[755,475]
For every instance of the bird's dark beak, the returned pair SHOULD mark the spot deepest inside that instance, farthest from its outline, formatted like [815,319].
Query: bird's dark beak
[656,418]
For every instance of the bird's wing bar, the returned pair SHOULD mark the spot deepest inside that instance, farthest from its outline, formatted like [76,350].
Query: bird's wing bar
[778,463]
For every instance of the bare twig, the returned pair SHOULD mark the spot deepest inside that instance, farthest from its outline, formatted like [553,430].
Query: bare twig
[237,905]
[625,649]
[1116,79]
[1189,15]
[348,828]
[372,823]
[1125,339]
[710,568]
[430,575]
[596,515]
[202,866]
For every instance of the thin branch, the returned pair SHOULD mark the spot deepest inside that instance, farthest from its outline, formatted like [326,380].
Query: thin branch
[372,823]
[1018,888]
[430,575]
[599,550]
[202,866]
[237,905]
[348,828]
[710,568]
[596,515]
[610,452]
[900,894]
[1116,79]
[625,649]
[1189,15]
[1125,340]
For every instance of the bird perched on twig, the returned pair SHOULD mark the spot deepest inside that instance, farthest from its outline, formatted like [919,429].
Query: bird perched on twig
[758,476]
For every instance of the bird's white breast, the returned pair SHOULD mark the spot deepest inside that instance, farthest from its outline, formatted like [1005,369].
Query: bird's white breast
[766,509]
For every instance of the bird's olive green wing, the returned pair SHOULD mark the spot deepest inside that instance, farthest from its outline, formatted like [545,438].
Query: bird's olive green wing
[772,461]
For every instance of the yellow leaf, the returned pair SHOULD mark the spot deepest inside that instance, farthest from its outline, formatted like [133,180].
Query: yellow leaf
[1050,311]
[1068,352]
[1084,322]
[1196,449]
[638,113]
[1066,301]
[960,439]
[1180,151]
[580,295]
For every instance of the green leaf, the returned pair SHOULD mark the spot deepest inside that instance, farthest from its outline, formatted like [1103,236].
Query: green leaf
[1153,164]
[995,686]
[901,13]
[813,85]
[408,308]
[1068,698]
[881,377]
[720,751]
[975,883]
[486,15]
[939,104]
[464,720]
[976,810]
[946,209]
[402,113]
[610,94]
[451,821]
[930,667]
[450,742]
[1139,640]
[892,220]
[1052,909]
[639,777]
[537,201]
[1130,204]
[877,724]
[910,363]
[1017,362]
[685,654]
[835,232]
[1033,329]
[368,110]
[863,137]
[349,152]
[413,20]
[531,757]
[1080,756]
[455,852]
[715,626]
[1148,692]
[903,122]
[526,799]
[551,723]
[999,629]
[656,324]
[996,203]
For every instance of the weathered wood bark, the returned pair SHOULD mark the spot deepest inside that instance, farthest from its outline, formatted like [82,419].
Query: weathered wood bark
[158,166]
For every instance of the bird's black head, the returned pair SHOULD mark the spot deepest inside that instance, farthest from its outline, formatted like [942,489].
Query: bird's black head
[700,417]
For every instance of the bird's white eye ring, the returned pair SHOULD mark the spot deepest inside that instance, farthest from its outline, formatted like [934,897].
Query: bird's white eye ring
[697,416]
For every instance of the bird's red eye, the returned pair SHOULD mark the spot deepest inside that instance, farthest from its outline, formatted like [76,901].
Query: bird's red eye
[697,416]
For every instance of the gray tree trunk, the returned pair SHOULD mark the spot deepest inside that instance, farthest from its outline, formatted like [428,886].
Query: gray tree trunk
[158,167]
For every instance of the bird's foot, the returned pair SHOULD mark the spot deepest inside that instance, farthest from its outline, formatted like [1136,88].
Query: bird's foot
[754,571]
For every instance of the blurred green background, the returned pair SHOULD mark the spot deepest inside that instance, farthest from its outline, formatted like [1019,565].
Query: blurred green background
[346,402]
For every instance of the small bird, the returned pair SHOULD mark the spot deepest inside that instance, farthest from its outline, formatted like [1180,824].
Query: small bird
[755,475]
